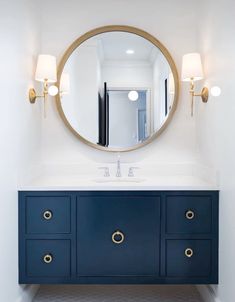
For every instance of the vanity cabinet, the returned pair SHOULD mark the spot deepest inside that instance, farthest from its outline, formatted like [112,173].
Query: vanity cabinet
[118,237]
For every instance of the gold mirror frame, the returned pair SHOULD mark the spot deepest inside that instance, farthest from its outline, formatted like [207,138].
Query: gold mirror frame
[128,29]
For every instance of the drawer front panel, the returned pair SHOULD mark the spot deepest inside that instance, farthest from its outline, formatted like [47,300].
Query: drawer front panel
[48,214]
[136,250]
[48,258]
[188,214]
[188,258]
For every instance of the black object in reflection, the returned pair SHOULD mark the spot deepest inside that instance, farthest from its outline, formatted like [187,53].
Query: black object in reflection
[103,117]
[166,97]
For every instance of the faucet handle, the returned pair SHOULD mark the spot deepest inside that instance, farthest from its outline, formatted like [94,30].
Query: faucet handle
[106,171]
[131,171]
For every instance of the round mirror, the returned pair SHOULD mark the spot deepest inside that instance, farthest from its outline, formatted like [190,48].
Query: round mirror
[118,88]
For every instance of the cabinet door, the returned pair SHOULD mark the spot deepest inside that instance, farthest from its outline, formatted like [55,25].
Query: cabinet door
[188,214]
[48,258]
[48,214]
[118,235]
[188,258]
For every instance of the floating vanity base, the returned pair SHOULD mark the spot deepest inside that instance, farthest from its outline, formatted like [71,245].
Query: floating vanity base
[118,237]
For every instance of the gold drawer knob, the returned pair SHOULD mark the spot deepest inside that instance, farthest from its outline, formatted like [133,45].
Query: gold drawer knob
[120,238]
[190,214]
[188,252]
[47,258]
[47,215]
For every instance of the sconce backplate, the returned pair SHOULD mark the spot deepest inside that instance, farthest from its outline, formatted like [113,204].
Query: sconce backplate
[205,94]
[32,95]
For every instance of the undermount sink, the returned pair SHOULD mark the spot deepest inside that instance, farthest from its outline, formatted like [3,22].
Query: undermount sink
[119,179]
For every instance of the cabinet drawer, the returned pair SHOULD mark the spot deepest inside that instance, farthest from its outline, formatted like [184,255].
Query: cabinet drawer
[48,214]
[188,214]
[48,258]
[188,258]
[132,250]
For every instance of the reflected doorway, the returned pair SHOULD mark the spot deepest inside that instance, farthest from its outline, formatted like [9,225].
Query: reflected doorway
[128,116]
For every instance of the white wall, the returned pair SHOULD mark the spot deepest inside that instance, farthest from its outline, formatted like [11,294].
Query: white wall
[81,103]
[20,125]
[215,126]
[173,24]
[127,74]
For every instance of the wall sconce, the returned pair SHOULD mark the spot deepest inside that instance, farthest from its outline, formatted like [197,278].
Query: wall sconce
[191,72]
[46,72]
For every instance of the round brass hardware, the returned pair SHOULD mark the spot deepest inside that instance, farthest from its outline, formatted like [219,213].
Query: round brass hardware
[48,258]
[189,214]
[120,238]
[47,215]
[188,252]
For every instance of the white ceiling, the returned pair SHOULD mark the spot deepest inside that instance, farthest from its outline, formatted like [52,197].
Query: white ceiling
[113,46]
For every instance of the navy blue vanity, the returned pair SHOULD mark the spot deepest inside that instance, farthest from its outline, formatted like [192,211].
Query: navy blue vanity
[118,237]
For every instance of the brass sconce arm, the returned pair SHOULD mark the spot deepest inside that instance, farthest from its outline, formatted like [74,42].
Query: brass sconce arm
[204,94]
[32,93]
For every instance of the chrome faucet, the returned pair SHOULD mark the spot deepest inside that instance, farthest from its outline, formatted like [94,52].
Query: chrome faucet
[131,171]
[118,174]
[106,171]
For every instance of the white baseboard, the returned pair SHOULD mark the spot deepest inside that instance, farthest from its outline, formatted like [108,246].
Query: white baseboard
[207,293]
[28,293]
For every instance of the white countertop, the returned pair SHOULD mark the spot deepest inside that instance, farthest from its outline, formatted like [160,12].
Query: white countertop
[158,183]
[171,177]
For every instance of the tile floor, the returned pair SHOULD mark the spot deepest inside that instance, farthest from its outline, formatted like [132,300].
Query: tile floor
[118,293]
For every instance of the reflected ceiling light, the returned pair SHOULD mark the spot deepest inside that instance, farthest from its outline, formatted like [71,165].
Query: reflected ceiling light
[133,95]
[215,91]
[130,51]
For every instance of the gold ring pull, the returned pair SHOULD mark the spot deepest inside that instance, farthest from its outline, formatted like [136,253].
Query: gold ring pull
[189,214]
[47,215]
[48,258]
[188,252]
[120,239]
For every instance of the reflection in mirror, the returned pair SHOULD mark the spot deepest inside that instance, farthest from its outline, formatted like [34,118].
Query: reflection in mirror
[117,89]
[134,116]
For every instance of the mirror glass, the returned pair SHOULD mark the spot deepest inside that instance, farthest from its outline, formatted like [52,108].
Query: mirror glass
[117,90]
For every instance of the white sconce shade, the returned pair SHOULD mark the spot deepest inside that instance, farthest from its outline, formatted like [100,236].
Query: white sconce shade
[64,83]
[46,69]
[192,67]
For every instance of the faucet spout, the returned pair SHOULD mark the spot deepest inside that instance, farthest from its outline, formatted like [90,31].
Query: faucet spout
[118,174]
